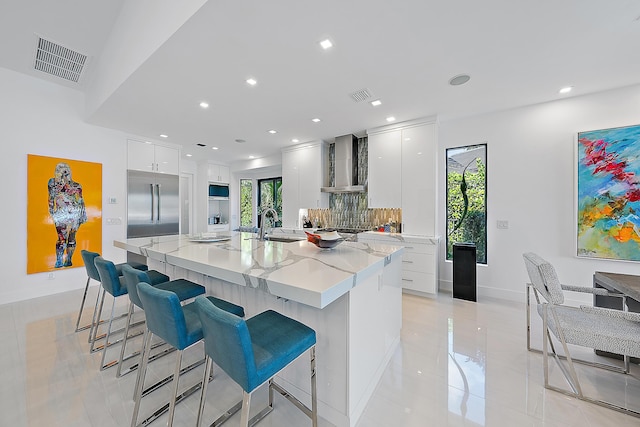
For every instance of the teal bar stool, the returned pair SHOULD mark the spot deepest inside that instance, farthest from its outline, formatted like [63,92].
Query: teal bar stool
[184,289]
[252,352]
[180,327]
[113,283]
[92,273]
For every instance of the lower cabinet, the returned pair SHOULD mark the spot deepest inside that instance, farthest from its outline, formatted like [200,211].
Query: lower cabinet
[419,260]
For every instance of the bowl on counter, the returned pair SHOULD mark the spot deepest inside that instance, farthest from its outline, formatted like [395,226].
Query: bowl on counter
[326,240]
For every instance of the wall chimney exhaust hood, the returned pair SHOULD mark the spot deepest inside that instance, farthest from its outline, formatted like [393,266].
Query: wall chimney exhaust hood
[345,166]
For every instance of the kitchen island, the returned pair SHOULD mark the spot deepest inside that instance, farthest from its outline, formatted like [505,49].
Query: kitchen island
[351,295]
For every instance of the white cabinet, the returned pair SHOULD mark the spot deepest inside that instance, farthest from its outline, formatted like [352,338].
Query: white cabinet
[419,158]
[150,157]
[419,260]
[403,173]
[303,169]
[385,164]
[218,173]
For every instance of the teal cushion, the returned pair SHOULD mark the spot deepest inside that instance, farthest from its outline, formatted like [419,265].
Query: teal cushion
[111,281]
[185,289]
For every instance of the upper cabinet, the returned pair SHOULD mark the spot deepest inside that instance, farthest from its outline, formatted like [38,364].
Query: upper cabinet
[402,172]
[218,173]
[385,165]
[419,158]
[149,157]
[303,169]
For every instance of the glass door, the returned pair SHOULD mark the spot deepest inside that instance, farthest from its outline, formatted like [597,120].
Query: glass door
[270,196]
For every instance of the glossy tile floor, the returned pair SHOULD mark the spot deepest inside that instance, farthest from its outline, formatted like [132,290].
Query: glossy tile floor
[458,364]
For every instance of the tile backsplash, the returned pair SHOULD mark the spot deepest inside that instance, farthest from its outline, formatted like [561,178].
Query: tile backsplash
[350,210]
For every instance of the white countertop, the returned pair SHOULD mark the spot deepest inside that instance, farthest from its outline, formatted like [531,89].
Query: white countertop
[298,271]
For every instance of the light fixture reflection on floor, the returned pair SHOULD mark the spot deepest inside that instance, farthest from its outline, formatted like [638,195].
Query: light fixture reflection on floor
[460,79]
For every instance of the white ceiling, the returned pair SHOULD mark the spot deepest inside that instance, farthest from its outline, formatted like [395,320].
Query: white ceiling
[516,52]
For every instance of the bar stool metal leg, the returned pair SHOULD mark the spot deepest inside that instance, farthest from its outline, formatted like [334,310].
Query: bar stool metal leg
[97,322]
[106,342]
[174,389]
[124,340]
[84,298]
[146,349]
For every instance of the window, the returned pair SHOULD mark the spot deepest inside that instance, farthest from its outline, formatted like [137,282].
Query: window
[246,203]
[270,196]
[467,198]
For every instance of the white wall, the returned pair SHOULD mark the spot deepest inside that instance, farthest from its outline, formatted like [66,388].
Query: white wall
[530,173]
[38,117]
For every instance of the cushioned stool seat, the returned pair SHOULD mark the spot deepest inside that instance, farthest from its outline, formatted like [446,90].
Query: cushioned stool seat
[252,352]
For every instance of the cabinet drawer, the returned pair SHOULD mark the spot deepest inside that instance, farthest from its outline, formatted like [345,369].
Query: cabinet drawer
[419,248]
[422,282]
[422,263]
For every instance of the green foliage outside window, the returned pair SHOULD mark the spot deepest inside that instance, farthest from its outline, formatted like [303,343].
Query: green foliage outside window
[270,195]
[466,201]
[246,203]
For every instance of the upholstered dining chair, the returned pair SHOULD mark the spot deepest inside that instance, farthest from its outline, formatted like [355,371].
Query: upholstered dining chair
[180,327]
[598,328]
[252,352]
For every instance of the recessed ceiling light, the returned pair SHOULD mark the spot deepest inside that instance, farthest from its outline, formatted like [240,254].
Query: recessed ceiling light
[204,104]
[214,148]
[252,81]
[459,79]
[376,102]
[164,136]
[240,141]
[326,44]
[148,142]
[566,89]
[273,131]
[316,120]
[252,157]
[295,140]
[188,155]
[391,119]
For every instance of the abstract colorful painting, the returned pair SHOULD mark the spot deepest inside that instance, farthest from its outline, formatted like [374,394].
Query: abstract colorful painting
[608,205]
[64,212]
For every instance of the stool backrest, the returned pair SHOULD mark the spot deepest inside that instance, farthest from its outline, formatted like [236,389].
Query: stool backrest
[109,277]
[544,278]
[228,342]
[164,314]
[133,276]
[88,257]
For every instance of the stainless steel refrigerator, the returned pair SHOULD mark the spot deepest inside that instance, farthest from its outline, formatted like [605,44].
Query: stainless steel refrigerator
[152,204]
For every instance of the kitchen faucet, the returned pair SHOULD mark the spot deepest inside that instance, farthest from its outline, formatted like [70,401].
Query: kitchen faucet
[263,225]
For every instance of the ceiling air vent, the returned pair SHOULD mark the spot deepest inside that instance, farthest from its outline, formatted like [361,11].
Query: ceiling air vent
[57,60]
[360,95]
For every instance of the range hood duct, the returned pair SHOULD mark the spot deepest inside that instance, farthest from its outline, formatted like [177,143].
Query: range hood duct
[345,166]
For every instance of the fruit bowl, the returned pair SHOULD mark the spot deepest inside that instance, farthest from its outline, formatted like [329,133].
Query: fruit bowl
[324,240]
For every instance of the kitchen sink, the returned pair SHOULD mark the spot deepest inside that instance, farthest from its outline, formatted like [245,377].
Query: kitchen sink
[283,239]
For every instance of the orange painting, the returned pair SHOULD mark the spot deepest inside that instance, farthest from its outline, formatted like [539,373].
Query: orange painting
[64,212]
